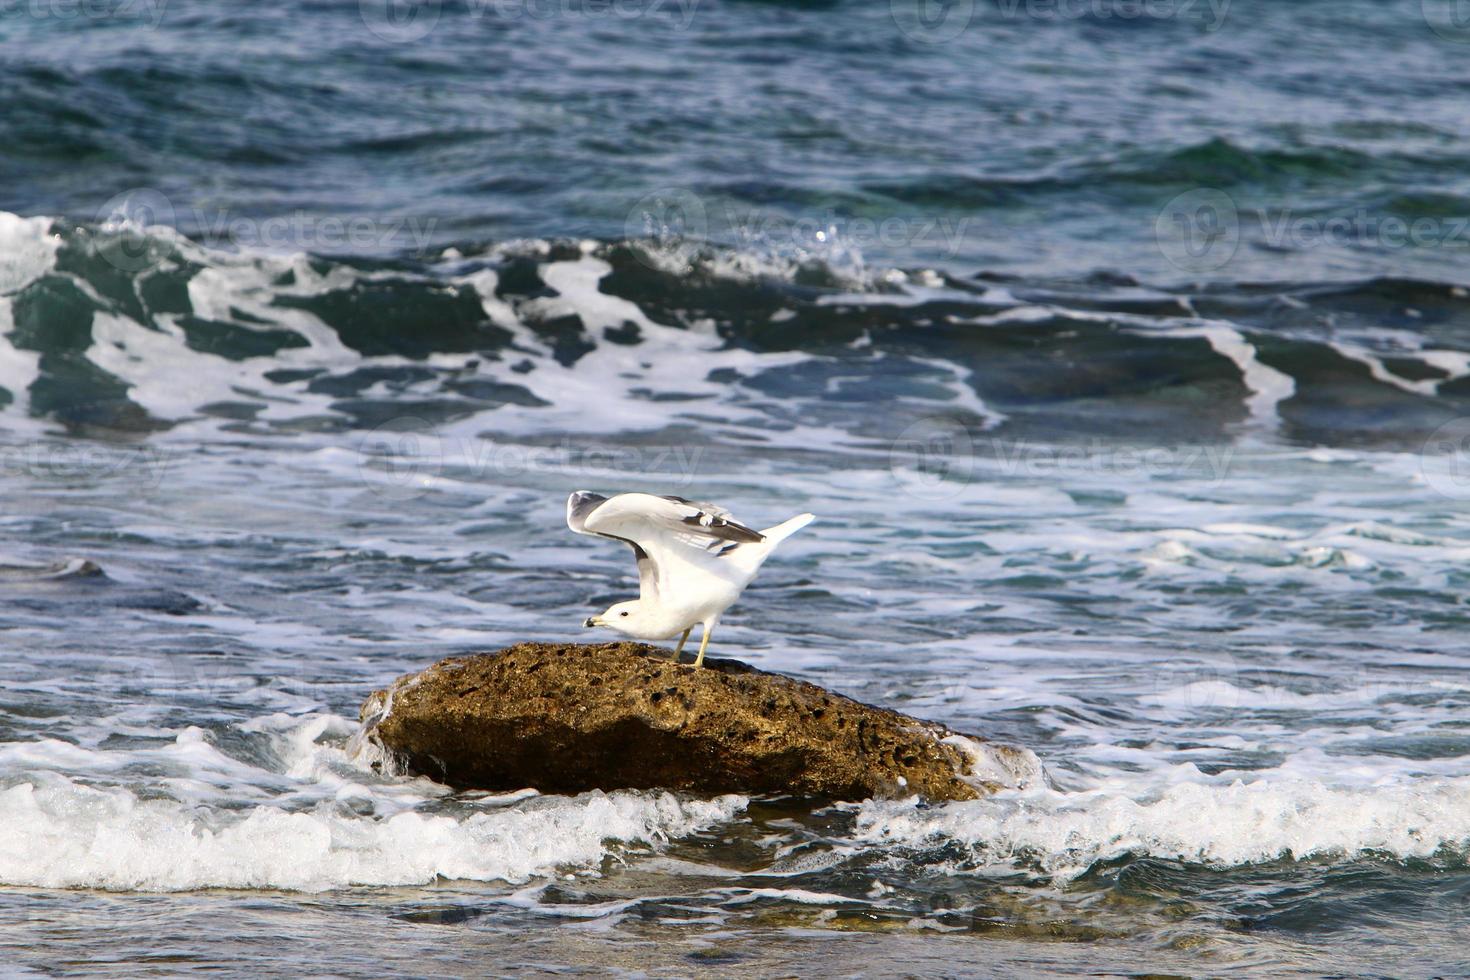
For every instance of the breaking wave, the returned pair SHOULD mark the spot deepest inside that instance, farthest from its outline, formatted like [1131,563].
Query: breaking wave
[119,328]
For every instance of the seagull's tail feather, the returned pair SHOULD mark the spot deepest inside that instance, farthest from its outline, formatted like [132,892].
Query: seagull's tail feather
[751,557]
[775,535]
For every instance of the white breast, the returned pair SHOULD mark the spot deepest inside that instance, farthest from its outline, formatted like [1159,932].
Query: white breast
[696,586]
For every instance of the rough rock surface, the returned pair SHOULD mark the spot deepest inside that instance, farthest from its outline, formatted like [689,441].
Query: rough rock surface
[574,717]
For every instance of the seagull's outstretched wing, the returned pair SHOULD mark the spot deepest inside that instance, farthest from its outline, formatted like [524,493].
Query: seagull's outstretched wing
[580,506]
[654,524]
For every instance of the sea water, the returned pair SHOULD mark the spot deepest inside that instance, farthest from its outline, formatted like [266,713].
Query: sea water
[1195,536]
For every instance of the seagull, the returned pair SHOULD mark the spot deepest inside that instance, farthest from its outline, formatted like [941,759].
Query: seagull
[694,560]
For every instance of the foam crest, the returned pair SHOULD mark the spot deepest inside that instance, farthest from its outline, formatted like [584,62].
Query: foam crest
[56,833]
[27,250]
[789,353]
[289,809]
[1193,820]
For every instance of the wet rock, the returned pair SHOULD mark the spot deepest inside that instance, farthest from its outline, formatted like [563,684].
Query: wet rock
[574,717]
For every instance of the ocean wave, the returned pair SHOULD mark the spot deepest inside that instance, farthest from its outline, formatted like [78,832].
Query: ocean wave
[118,327]
[296,814]
[57,833]
[1216,823]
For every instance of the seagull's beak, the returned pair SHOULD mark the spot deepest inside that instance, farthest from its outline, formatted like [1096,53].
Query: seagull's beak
[591,621]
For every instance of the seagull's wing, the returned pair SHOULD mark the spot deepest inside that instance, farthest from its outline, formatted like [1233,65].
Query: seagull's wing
[658,522]
[655,525]
[580,506]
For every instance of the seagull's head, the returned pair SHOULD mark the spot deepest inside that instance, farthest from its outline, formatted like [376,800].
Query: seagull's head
[625,617]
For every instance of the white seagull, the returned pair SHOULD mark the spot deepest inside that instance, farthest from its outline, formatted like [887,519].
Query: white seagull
[694,560]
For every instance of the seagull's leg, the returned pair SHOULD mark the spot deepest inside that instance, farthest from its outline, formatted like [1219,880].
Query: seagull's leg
[703,642]
[682,640]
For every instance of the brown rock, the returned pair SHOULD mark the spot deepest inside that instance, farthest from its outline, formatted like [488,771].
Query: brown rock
[574,717]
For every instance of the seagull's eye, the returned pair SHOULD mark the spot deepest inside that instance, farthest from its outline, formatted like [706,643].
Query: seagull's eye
[622,614]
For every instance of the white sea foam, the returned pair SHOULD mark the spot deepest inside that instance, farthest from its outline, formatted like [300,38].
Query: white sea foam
[18,368]
[309,821]
[741,896]
[607,389]
[1195,819]
[993,767]
[1268,386]
[57,833]
[1454,364]
[28,249]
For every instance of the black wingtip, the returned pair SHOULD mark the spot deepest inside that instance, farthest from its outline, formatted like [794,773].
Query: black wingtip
[725,530]
[580,505]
